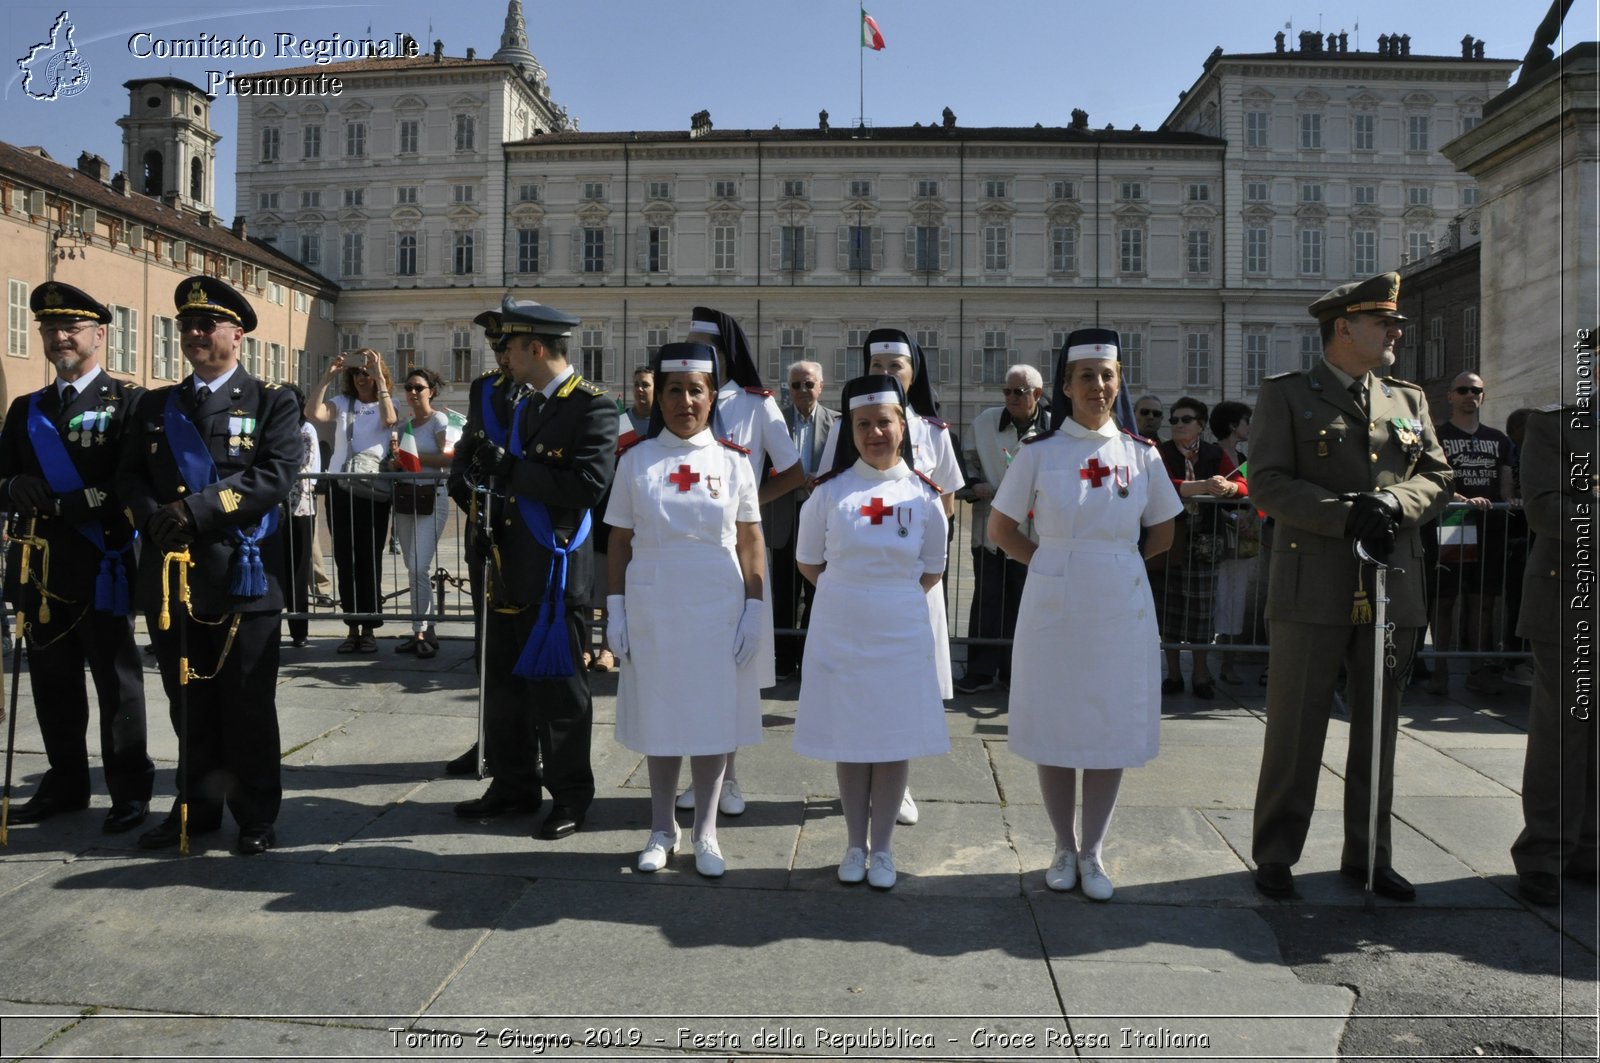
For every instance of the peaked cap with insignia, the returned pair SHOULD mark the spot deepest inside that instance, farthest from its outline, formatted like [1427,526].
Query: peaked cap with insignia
[210,297]
[57,303]
[1375,295]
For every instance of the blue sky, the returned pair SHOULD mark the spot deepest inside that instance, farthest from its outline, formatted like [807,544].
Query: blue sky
[637,64]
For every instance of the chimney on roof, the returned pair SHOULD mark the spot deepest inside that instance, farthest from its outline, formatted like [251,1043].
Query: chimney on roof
[1405,44]
[1278,40]
[241,228]
[949,118]
[1344,41]
[472,53]
[822,120]
[119,183]
[1383,44]
[1477,50]
[94,167]
[438,50]
[208,218]
[1080,118]
[169,199]
[1466,47]
[1307,38]
[699,123]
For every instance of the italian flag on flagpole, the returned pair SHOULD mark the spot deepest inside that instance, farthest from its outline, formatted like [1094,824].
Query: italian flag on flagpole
[453,431]
[871,36]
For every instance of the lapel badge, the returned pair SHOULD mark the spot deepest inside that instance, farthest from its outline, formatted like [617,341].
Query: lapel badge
[538,448]
[235,393]
[558,452]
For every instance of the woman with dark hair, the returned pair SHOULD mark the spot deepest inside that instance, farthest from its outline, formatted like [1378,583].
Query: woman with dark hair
[1230,426]
[299,537]
[872,540]
[684,612]
[1084,664]
[420,508]
[362,415]
[1197,469]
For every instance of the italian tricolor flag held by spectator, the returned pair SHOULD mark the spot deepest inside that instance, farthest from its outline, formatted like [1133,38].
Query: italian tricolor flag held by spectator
[871,36]
[405,455]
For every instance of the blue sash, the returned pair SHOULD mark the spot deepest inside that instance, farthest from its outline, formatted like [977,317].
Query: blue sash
[198,471]
[111,584]
[546,654]
[492,428]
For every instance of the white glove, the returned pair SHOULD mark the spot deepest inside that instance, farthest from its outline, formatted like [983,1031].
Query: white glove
[747,639]
[617,623]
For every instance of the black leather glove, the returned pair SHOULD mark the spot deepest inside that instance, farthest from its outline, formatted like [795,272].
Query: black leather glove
[30,495]
[1373,518]
[170,528]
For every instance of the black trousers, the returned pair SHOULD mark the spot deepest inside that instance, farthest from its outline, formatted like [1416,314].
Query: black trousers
[57,652]
[298,535]
[791,606]
[231,752]
[360,530]
[996,595]
[524,718]
[1559,773]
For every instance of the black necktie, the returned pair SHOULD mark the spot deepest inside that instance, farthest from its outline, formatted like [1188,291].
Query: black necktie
[1359,393]
[537,401]
[68,394]
[201,394]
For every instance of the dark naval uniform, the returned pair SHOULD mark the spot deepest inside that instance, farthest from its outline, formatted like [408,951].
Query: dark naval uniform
[1559,467]
[1311,442]
[251,432]
[491,391]
[72,449]
[562,456]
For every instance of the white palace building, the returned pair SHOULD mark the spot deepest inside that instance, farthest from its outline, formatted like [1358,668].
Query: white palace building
[434,184]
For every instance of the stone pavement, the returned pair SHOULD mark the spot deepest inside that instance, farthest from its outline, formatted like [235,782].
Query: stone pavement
[383,927]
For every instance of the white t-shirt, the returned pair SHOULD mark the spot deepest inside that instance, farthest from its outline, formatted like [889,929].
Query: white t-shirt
[369,432]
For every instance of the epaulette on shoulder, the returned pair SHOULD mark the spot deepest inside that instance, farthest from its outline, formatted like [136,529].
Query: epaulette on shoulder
[731,445]
[1287,375]
[1552,407]
[1147,441]
[586,385]
[486,374]
[1395,381]
[765,393]
[1040,438]
[270,386]
[825,477]
[941,425]
[630,438]
[937,490]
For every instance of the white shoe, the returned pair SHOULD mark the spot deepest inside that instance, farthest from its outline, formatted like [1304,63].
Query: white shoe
[661,845]
[881,875]
[1096,886]
[731,803]
[708,858]
[1062,874]
[686,799]
[908,813]
[853,868]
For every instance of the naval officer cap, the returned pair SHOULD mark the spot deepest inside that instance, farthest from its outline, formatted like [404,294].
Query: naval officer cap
[489,321]
[1375,295]
[62,304]
[210,297]
[524,316]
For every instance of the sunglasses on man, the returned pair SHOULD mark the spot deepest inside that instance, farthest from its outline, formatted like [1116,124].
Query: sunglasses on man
[803,385]
[1187,419]
[1465,390]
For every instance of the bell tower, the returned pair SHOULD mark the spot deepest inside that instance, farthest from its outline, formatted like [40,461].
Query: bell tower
[169,150]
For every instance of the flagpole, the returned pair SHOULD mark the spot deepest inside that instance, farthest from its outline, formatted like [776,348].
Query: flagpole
[861,72]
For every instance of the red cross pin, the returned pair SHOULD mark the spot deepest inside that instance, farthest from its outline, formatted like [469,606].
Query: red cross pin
[877,511]
[1094,472]
[684,478]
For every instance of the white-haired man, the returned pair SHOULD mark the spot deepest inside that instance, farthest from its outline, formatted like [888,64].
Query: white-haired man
[992,442]
[809,423]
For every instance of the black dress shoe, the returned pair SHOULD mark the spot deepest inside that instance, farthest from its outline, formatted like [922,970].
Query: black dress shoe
[465,764]
[1539,887]
[164,835]
[1172,686]
[41,807]
[1205,690]
[1386,882]
[561,822]
[253,841]
[124,816]
[1275,880]
[492,804]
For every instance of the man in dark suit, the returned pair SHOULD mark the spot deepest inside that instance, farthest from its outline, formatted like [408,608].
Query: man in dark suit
[809,423]
[58,457]
[490,402]
[208,463]
[1560,494]
[559,461]
[1340,454]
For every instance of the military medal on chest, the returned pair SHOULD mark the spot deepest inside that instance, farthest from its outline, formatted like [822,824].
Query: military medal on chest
[241,433]
[903,518]
[1122,476]
[714,486]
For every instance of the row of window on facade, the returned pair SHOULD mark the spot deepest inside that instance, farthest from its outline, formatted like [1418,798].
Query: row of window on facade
[860,249]
[408,138]
[1419,131]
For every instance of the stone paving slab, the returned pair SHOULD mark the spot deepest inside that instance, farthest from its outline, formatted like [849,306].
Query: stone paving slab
[958,850]
[1233,942]
[108,1035]
[24,1028]
[404,745]
[1501,765]
[716,952]
[1419,770]
[222,935]
[1257,1018]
